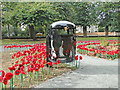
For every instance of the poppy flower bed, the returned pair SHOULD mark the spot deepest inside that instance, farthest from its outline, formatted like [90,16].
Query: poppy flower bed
[28,67]
[95,48]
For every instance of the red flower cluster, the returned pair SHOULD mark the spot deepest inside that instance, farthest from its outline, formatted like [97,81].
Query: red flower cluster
[7,77]
[34,59]
[16,46]
[83,47]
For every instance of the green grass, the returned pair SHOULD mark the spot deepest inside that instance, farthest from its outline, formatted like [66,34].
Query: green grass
[30,41]
[96,38]
[21,41]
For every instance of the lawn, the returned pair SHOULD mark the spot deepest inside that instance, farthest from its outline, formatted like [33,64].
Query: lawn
[30,41]
[96,38]
[21,41]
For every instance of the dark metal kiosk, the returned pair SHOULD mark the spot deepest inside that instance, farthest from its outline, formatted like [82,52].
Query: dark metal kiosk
[61,42]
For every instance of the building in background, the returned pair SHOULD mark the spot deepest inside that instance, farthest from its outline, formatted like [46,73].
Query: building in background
[89,29]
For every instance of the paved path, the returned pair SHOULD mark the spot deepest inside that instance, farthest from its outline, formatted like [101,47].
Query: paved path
[93,73]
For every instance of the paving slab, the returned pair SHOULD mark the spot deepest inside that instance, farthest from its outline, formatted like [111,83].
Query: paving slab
[93,73]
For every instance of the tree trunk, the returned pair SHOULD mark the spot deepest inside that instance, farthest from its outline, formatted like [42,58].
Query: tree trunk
[8,31]
[32,32]
[31,35]
[106,31]
[85,31]
[15,30]
[0,32]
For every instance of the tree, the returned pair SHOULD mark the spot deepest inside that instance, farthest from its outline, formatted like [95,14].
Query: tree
[62,11]
[33,14]
[85,15]
[0,23]
[8,16]
[108,15]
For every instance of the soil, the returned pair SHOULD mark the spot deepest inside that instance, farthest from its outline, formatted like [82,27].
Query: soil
[54,71]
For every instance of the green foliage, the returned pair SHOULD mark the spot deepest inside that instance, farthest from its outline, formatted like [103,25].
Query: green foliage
[117,43]
[41,14]
[101,29]
[108,14]
[89,46]
[12,30]
[104,42]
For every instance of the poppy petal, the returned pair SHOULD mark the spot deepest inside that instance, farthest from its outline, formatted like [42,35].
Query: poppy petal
[9,75]
[5,81]
[17,72]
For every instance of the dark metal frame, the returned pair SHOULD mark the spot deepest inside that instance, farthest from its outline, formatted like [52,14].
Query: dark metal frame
[48,42]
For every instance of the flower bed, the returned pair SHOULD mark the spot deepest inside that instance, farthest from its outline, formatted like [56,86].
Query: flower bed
[95,48]
[29,67]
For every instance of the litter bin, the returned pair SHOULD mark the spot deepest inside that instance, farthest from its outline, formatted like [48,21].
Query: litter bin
[61,42]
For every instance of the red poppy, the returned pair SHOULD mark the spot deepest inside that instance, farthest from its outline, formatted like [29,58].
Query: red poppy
[74,44]
[30,65]
[49,63]
[17,61]
[35,59]
[41,65]
[5,46]
[76,57]
[36,68]
[22,72]
[34,62]
[31,69]
[17,56]
[17,72]
[27,62]
[18,51]
[44,62]
[23,62]
[40,60]
[55,63]
[23,59]
[9,75]
[58,61]
[12,57]
[11,68]
[80,57]
[5,81]
[28,69]
[20,65]
[29,56]
[35,56]
[22,68]
[44,57]
[116,52]
[2,73]
[1,79]
[16,65]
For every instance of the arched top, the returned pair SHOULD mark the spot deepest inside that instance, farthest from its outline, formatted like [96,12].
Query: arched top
[62,24]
